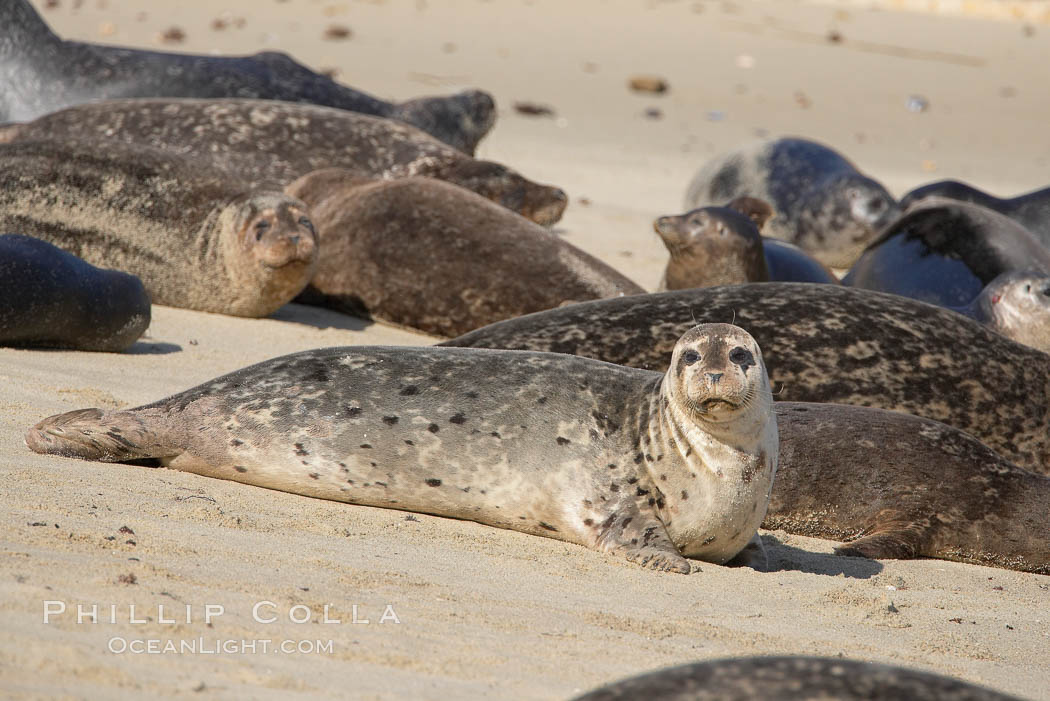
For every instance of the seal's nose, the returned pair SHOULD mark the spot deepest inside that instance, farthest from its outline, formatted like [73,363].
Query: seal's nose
[715,377]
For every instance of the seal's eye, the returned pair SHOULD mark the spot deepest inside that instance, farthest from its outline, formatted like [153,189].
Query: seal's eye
[741,356]
[261,227]
[305,222]
[690,357]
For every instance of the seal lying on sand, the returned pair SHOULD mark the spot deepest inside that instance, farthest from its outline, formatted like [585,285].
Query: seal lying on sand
[41,73]
[194,235]
[822,202]
[269,144]
[428,255]
[826,343]
[722,246]
[1031,210]
[944,252]
[652,466]
[791,679]
[52,299]
[898,487]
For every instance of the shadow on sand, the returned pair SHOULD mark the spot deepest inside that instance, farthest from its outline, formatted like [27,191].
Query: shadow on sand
[788,558]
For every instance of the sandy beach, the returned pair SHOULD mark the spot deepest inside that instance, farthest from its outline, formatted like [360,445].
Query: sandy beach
[456,609]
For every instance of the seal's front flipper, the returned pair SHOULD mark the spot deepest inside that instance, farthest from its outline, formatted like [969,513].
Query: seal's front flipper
[892,541]
[644,540]
[92,434]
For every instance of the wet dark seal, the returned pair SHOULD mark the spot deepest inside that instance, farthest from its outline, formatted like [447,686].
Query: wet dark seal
[41,73]
[195,237]
[945,252]
[826,343]
[52,299]
[897,486]
[722,246]
[428,255]
[791,679]
[269,144]
[1031,210]
[822,203]
[651,466]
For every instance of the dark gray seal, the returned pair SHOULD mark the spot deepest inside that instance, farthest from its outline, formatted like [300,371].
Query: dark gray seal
[52,299]
[722,246]
[648,465]
[1031,210]
[791,679]
[897,486]
[195,236]
[822,202]
[41,73]
[432,256]
[826,343]
[945,252]
[269,144]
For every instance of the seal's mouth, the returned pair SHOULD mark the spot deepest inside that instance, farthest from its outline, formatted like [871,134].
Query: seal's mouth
[717,403]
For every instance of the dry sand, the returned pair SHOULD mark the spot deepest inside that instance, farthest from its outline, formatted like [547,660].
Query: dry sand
[486,613]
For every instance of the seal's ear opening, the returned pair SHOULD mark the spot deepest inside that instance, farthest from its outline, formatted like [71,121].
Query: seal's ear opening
[758,211]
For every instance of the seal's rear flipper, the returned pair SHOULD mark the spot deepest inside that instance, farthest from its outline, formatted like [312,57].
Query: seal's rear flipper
[92,434]
[899,544]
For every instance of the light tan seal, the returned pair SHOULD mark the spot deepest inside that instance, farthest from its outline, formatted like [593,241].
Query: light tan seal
[428,255]
[195,236]
[656,467]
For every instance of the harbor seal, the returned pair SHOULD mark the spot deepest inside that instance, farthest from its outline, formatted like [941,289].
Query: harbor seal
[52,299]
[791,678]
[1031,210]
[195,237]
[1016,305]
[825,343]
[432,256]
[945,252]
[897,486]
[713,246]
[656,467]
[41,73]
[823,204]
[269,144]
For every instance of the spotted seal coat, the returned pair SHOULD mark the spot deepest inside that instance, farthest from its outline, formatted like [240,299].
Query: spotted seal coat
[822,202]
[52,299]
[791,678]
[1031,210]
[195,237]
[898,486]
[945,252]
[269,144]
[653,466]
[41,73]
[432,256]
[826,343]
[713,246]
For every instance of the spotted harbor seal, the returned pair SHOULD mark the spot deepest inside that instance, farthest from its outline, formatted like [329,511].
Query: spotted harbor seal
[428,255]
[41,73]
[897,486]
[944,252]
[195,237]
[825,343]
[791,678]
[1031,210]
[654,466]
[269,144]
[52,299]
[822,202]
[722,246]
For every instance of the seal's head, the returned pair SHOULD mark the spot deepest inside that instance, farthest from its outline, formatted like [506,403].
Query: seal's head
[460,120]
[1017,305]
[711,246]
[717,375]
[274,250]
[842,215]
[542,204]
